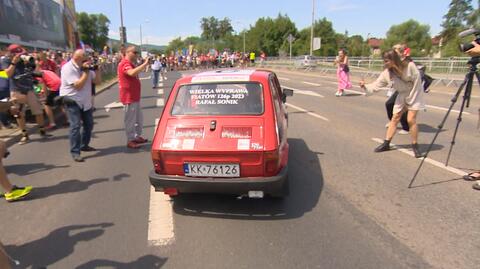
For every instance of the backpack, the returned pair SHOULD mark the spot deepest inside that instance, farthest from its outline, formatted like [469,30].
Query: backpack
[426,79]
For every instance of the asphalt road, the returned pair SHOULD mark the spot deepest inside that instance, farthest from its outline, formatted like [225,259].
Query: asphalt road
[349,207]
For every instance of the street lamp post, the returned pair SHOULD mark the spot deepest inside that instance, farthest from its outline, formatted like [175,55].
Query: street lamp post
[243,25]
[311,30]
[123,34]
[141,38]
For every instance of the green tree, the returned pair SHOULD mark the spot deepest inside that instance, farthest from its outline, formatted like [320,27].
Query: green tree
[321,28]
[175,45]
[459,16]
[93,29]
[214,29]
[414,34]
[356,46]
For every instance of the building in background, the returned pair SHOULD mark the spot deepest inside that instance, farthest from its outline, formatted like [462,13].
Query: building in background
[43,24]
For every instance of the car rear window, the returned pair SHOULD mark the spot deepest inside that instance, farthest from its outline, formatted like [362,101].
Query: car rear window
[219,99]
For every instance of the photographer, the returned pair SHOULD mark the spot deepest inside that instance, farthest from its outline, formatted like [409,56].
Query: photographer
[20,69]
[474,176]
[130,91]
[76,89]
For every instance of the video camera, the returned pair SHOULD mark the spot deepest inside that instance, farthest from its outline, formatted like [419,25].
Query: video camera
[467,46]
[25,80]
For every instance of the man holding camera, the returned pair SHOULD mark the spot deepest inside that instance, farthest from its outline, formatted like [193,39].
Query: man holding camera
[474,176]
[130,89]
[76,88]
[19,68]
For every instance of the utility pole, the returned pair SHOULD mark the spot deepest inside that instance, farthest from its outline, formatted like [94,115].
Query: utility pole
[123,31]
[311,30]
[243,41]
[140,38]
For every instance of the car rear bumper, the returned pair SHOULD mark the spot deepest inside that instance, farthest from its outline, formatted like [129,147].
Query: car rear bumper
[270,185]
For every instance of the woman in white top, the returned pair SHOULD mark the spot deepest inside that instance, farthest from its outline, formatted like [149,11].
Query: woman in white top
[403,77]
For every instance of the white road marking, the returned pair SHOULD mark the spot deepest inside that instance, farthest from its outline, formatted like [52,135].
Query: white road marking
[286,79]
[160,102]
[157,120]
[357,92]
[428,160]
[160,84]
[309,113]
[145,78]
[113,105]
[298,91]
[160,91]
[160,219]
[446,109]
[310,83]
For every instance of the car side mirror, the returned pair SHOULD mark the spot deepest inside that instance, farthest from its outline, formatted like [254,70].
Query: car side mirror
[286,92]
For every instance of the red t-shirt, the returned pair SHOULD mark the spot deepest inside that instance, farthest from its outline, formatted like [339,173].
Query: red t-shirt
[48,65]
[129,86]
[51,80]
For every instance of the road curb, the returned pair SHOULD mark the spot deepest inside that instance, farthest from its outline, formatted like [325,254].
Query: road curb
[13,137]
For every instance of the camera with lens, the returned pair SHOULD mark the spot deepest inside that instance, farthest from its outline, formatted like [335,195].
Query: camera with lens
[25,80]
[93,66]
[468,46]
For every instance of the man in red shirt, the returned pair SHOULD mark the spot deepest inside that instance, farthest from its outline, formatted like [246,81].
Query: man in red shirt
[47,64]
[50,89]
[130,88]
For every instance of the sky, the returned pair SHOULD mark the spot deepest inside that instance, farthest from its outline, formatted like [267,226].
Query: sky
[164,20]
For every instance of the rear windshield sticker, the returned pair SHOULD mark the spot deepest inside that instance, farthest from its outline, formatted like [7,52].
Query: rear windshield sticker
[243,144]
[217,96]
[188,144]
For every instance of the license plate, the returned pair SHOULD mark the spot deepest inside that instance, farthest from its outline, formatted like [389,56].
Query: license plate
[211,170]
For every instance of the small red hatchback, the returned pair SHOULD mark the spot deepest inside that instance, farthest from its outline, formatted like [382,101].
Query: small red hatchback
[223,132]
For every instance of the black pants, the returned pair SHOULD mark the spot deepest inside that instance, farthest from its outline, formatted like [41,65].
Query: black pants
[389,106]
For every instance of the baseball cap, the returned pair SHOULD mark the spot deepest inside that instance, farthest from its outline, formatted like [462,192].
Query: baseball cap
[17,49]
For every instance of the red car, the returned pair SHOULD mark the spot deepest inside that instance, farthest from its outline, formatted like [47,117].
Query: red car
[223,132]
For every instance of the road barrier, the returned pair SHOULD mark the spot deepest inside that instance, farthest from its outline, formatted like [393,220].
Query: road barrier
[446,71]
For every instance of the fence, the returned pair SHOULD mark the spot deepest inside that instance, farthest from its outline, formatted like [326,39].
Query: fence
[447,71]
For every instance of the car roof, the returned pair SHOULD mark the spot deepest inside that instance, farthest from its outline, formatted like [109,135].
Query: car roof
[227,75]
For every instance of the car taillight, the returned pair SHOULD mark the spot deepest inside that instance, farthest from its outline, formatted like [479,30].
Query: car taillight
[196,132]
[157,163]
[272,162]
[236,132]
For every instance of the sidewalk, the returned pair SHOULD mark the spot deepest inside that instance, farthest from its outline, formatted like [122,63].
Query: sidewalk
[12,136]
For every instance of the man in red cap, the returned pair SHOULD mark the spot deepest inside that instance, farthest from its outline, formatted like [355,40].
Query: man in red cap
[18,67]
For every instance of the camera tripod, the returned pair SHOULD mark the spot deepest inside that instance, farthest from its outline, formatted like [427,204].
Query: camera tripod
[467,84]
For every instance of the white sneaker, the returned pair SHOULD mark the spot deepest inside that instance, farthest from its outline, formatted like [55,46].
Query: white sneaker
[338,94]
[403,132]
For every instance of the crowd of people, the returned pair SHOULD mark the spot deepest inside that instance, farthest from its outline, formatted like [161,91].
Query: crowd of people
[211,60]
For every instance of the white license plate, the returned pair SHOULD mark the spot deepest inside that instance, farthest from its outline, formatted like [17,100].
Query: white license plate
[211,169]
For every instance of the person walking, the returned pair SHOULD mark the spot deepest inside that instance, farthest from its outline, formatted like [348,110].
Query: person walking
[12,192]
[130,91]
[156,66]
[404,78]
[389,104]
[76,89]
[343,70]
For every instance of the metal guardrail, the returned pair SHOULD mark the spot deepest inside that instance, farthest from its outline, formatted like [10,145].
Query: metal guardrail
[446,71]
